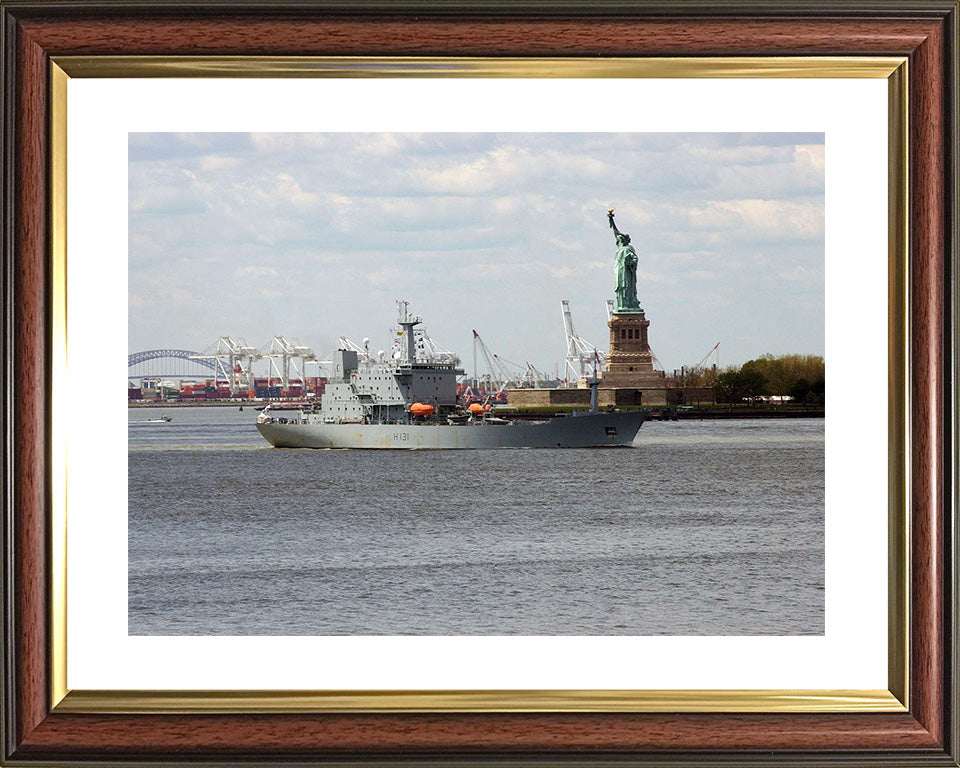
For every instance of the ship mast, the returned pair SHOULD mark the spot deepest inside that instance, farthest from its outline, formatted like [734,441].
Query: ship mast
[407,321]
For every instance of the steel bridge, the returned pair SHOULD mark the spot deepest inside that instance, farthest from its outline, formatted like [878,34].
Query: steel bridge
[169,363]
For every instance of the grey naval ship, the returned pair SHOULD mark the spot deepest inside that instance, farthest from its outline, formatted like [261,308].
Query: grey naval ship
[410,402]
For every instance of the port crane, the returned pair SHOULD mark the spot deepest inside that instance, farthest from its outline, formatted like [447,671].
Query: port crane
[498,375]
[287,352]
[526,375]
[227,355]
[581,354]
[714,353]
[534,376]
[705,364]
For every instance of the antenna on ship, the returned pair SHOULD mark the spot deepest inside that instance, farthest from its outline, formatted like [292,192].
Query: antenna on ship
[408,322]
[594,382]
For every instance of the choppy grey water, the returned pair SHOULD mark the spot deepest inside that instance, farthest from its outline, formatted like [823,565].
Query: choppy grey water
[703,528]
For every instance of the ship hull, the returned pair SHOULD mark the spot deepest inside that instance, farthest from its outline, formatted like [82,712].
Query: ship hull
[589,430]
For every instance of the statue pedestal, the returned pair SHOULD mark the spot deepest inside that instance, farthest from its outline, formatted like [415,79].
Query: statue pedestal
[629,361]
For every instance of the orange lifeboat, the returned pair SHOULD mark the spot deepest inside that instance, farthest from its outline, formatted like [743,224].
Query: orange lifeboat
[475,408]
[421,409]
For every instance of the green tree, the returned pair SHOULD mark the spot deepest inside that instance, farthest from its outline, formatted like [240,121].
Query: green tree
[734,386]
[802,377]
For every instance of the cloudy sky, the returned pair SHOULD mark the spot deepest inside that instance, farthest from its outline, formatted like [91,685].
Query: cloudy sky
[316,235]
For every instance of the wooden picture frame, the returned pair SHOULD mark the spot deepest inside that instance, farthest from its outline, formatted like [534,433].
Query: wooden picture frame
[37,730]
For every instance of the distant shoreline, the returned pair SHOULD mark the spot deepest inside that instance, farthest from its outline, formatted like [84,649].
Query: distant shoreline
[206,404]
[656,413]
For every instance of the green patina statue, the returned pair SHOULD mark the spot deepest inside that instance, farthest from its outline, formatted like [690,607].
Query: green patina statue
[626,265]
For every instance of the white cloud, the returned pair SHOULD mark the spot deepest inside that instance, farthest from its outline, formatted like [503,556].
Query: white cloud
[472,177]
[750,154]
[218,162]
[384,276]
[287,189]
[657,278]
[253,270]
[802,274]
[811,158]
[168,198]
[268,143]
[381,144]
[772,218]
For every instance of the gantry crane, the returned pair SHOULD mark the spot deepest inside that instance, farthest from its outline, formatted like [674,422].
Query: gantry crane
[228,355]
[499,376]
[581,354]
[287,352]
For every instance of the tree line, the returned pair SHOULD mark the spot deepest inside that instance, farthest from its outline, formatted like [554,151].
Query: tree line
[801,377]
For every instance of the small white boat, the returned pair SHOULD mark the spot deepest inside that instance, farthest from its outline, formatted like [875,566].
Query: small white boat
[161,420]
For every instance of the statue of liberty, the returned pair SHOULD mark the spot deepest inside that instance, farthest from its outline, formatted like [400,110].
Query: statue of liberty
[626,265]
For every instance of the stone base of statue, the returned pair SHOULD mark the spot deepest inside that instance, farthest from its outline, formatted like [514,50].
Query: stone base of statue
[629,361]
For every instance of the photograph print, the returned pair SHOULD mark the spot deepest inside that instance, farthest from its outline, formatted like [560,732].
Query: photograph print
[476,384]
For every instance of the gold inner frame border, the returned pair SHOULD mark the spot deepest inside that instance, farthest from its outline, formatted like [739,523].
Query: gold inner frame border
[895,699]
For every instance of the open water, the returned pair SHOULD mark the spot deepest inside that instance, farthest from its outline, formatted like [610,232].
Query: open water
[702,528]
